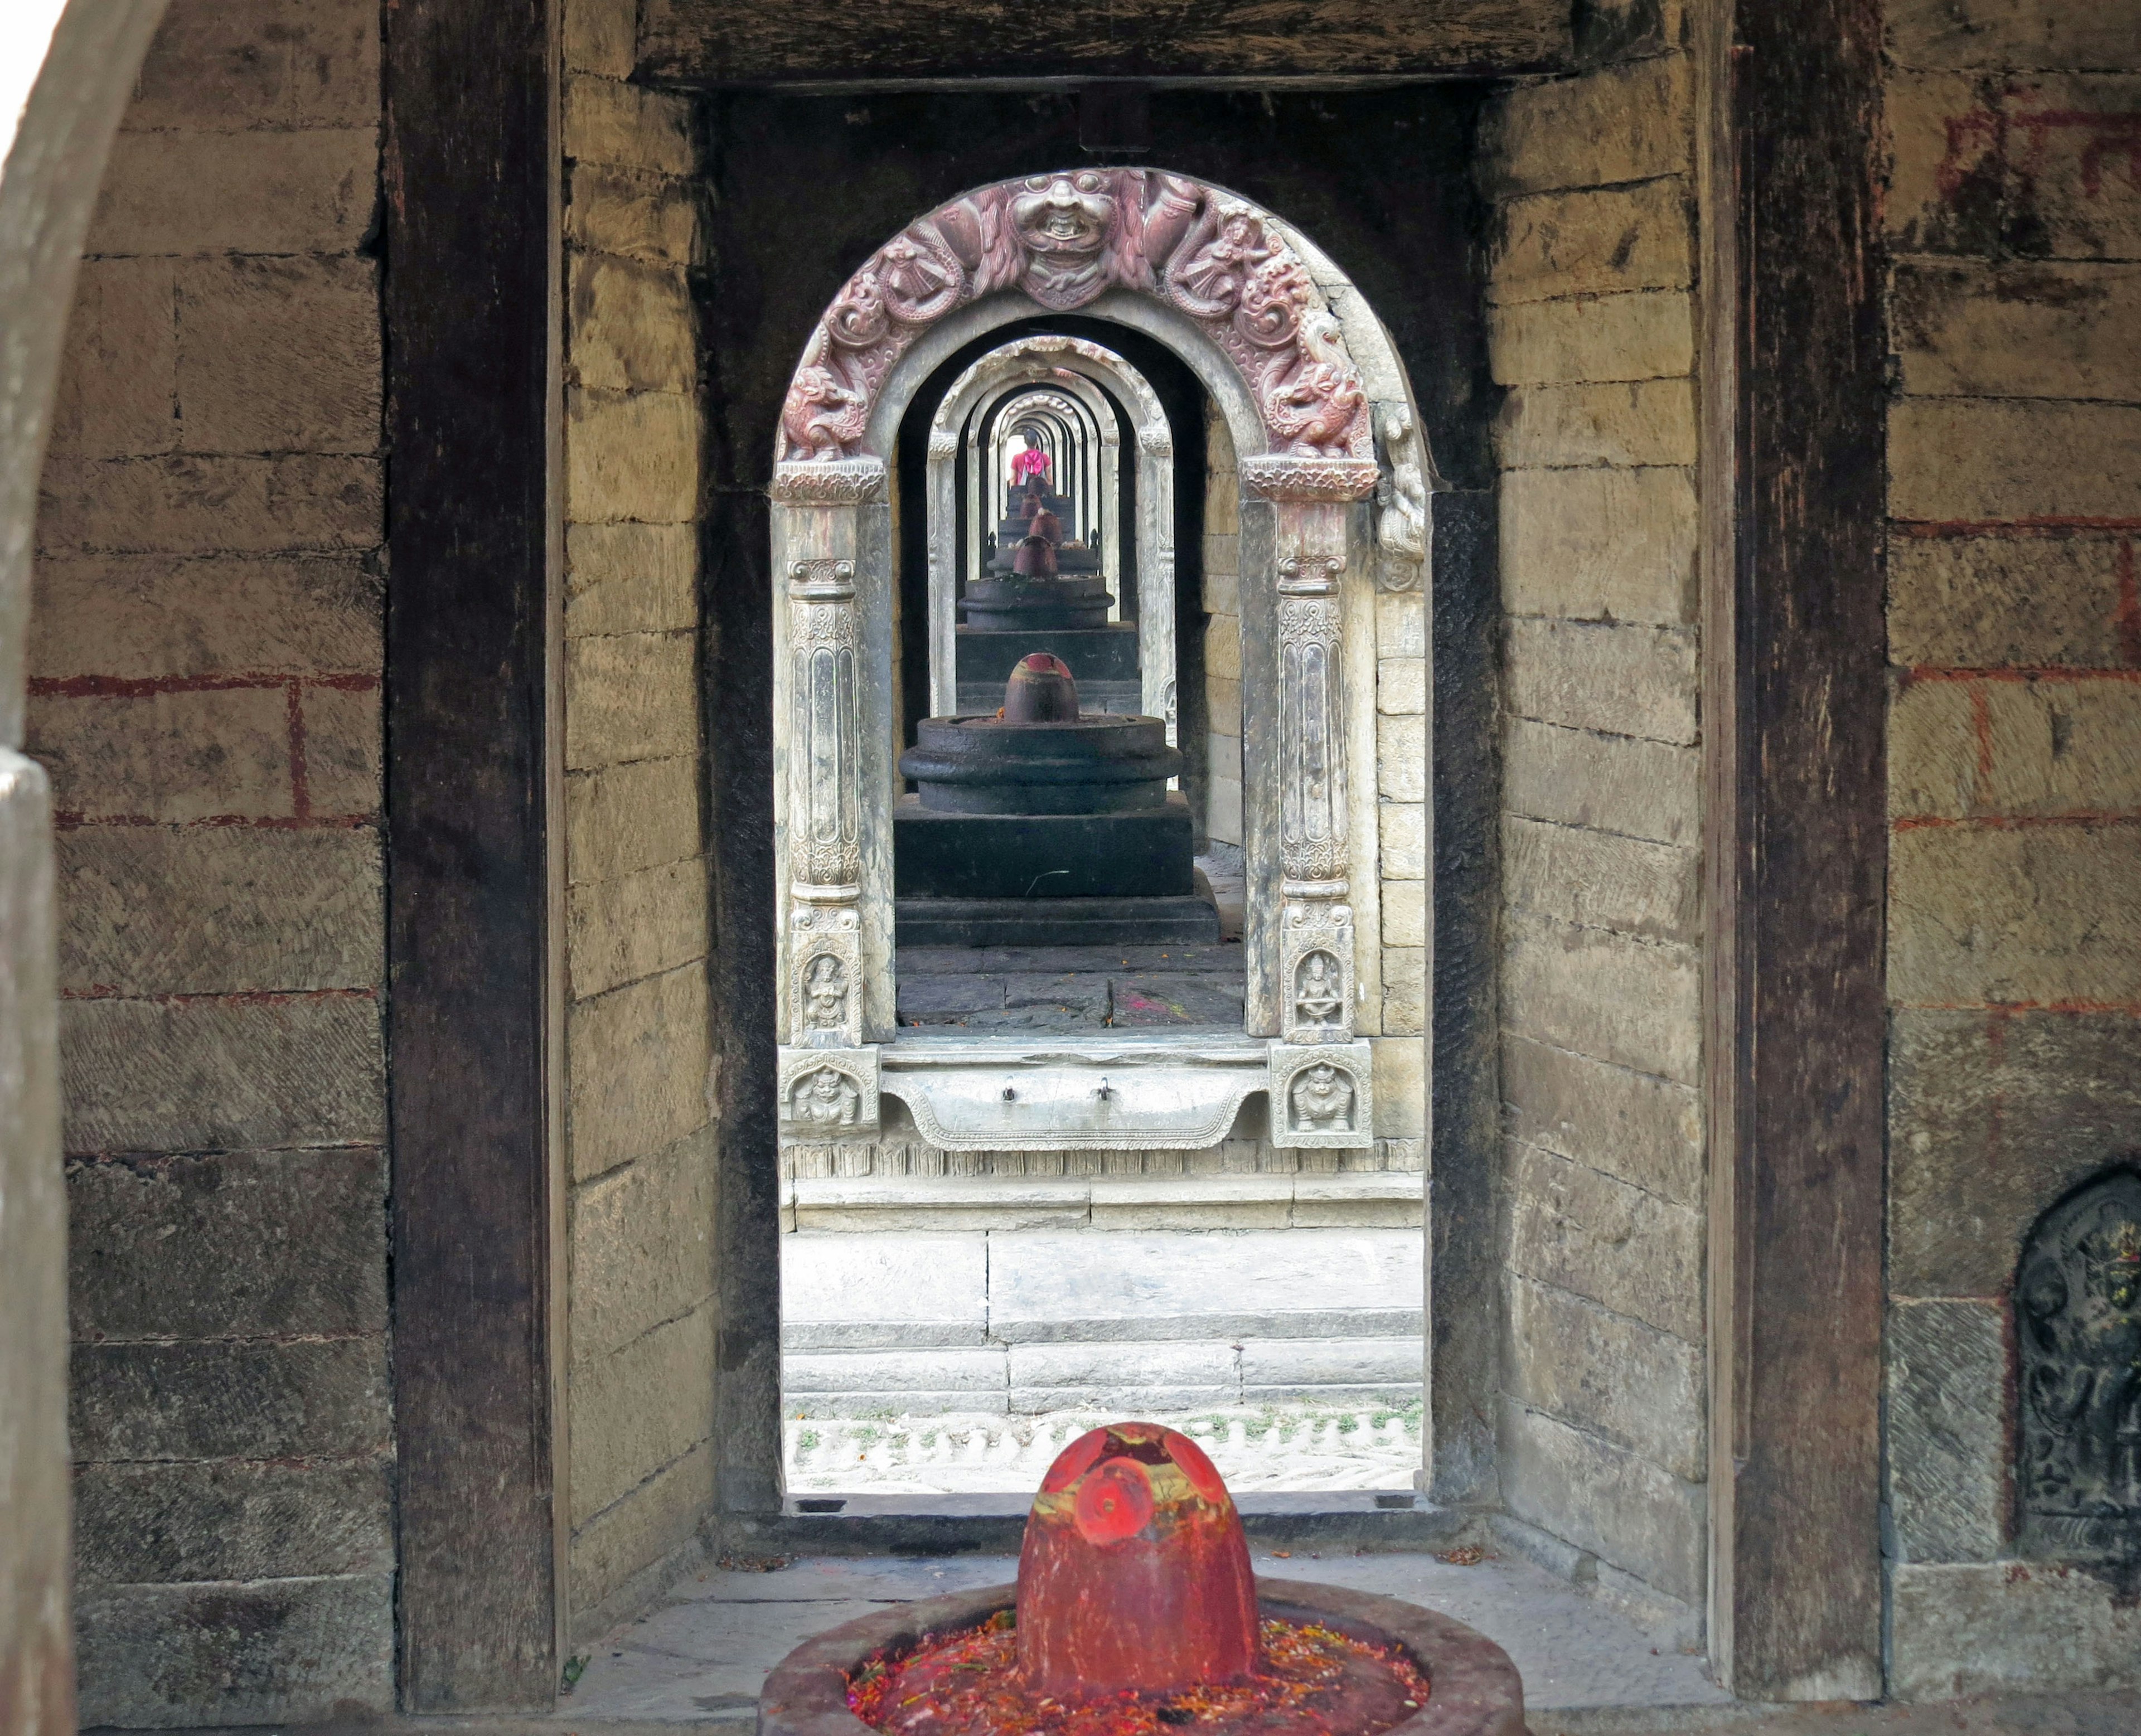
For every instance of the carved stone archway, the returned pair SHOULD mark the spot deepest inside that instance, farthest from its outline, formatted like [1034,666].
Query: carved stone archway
[1307,380]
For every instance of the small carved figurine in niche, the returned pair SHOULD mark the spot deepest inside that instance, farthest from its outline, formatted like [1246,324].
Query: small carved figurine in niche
[825,994]
[1322,1101]
[2078,1320]
[1317,995]
[827,1098]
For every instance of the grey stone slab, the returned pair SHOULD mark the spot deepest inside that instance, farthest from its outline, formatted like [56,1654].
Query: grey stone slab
[1305,1362]
[938,961]
[934,995]
[1635,1252]
[1125,1398]
[1642,1389]
[256,1400]
[2004,1627]
[1116,1364]
[159,1523]
[858,1290]
[1947,1430]
[757,1634]
[1187,955]
[1084,993]
[1992,1117]
[850,1371]
[919,1401]
[633,1683]
[1154,997]
[1643,1129]
[236,1245]
[296,1650]
[846,1578]
[1382,1394]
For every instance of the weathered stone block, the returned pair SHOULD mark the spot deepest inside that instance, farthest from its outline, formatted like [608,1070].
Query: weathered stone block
[1625,680]
[1934,748]
[194,506]
[1978,916]
[1599,544]
[639,1408]
[118,390]
[1223,651]
[629,1535]
[1990,602]
[1404,840]
[1405,989]
[1601,880]
[279,355]
[2059,198]
[981,1372]
[1400,625]
[2041,747]
[631,696]
[1314,1362]
[1402,757]
[1616,1504]
[631,455]
[1947,1437]
[1640,1129]
[629,325]
[345,751]
[637,1058]
[1114,1364]
[1944,190]
[252,1401]
[212,1074]
[302,1650]
[636,925]
[1222,709]
[185,193]
[166,757]
[1599,1371]
[1631,1251]
[1635,1003]
[1645,335]
[632,214]
[2011,33]
[228,65]
[142,617]
[2022,329]
[643,1244]
[865,1292]
[598,36]
[1617,422]
[2008,1627]
[1618,124]
[1977,459]
[1222,591]
[1594,241]
[625,818]
[158,1524]
[216,910]
[1222,555]
[1401,685]
[1405,914]
[235,1245]
[1609,782]
[1400,1087]
[631,578]
[1992,1116]
[628,126]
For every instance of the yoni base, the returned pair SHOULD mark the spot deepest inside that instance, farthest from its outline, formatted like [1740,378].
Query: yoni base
[1054,921]
[1134,852]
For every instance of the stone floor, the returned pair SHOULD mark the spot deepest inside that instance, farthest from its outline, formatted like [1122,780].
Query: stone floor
[1073,988]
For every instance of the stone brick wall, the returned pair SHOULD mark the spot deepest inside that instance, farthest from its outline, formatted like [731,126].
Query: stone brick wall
[204,662]
[641,1139]
[2014,775]
[1602,1428]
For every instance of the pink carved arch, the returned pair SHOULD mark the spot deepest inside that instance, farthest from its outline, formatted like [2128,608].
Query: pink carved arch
[1064,240]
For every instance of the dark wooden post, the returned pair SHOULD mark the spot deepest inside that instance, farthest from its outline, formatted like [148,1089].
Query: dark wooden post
[469,260]
[1794,702]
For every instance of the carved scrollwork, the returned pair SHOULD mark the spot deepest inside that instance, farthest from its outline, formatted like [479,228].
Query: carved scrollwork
[1401,503]
[1280,478]
[830,482]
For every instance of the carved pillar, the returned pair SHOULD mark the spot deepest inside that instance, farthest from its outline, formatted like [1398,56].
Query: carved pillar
[1155,554]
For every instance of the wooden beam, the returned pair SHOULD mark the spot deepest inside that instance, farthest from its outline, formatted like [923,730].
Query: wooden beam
[825,44]
[470,255]
[1793,709]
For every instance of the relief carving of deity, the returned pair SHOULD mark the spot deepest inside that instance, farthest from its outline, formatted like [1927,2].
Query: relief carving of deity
[825,994]
[2078,1324]
[1322,1101]
[826,1097]
[1318,994]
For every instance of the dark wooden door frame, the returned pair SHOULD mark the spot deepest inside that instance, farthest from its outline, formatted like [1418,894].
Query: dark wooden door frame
[1793,703]
[469,252]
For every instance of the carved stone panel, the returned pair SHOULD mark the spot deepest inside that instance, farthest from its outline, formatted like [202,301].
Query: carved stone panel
[2078,1332]
[825,727]
[828,1094]
[1312,709]
[1322,1097]
[824,952]
[1316,969]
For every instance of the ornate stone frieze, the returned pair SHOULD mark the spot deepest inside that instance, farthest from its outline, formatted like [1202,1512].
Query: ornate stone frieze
[825,952]
[850,482]
[1315,968]
[827,1095]
[1280,478]
[2078,1329]
[1066,239]
[1322,1097]
[1312,716]
[825,728]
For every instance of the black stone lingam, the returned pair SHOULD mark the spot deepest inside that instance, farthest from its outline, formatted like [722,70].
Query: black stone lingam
[1045,824]
[1033,581]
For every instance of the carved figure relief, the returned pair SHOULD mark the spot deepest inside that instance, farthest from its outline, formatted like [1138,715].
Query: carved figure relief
[1315,958]
[2078,1326]
[826,993]
[826,1009]
[823,1099]
[828,1094]
[1318,1001]
[1322,1099]
[1066,239]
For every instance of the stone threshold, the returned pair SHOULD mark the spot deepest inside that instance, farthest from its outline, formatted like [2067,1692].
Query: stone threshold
[1380,1199]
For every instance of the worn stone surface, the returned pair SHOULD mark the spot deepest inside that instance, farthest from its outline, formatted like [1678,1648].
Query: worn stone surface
[255,1400]
[1630,422]
[2011,33]
[1601,1372]
[1979,916]
[197,1075]
[1948,1491]
[1619,124]
[1584,1231]
[2069,127]
[630,696]
[190,504]
[1601,880]
[278,354]
[664,1513]
[1403,826]
[630,455]
[637,1060]
[625,818]
[1643,335]
[213,909]
[1405,914]
[643,1244]
[1986,601]
[631,578]
[1607,783]
[207,192]
[1643,1130]
[627,125]
[241,1244]
[1402,757]
[1600,544]
[639,924]
[276,65]
[640,1407]
[118,384]
[2005,1627]
[1594,241]
[632,214]
[301,1649]
[630,325]
[1400,685]
[1945,173]
[2043,747]
[1623,680]
[1405,989]
[865,1290]
[344,769]
[156,1524]
[1978,459]
[1992,1116]
[167,757]
[1616,1504]
[2017,330]
[1635,1003]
